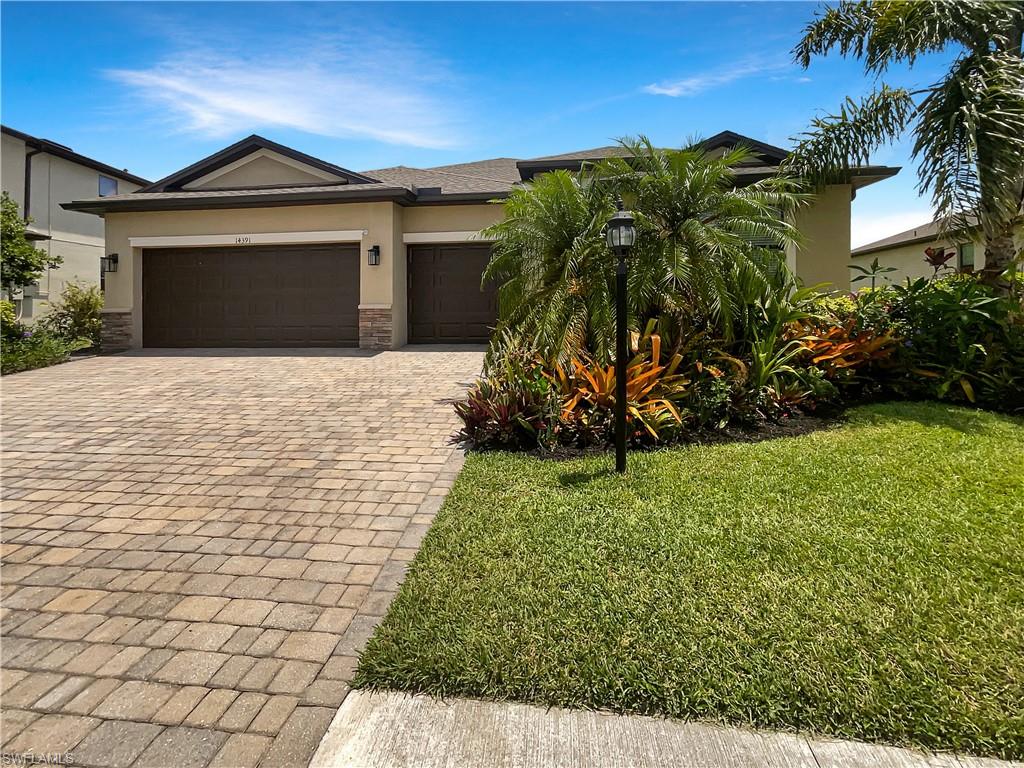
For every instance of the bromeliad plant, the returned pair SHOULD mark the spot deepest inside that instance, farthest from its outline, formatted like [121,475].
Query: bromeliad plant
[841,351]
[653,390]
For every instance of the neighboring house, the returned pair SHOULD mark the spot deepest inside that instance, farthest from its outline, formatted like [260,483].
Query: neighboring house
[260,245]
[39,175]
[906,253]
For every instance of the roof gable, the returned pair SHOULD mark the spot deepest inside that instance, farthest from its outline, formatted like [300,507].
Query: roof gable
[234,157]
[263,168]
[767,153]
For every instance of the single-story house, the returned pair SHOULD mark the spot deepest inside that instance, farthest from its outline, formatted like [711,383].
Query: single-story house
[39,175]
[260,245]
[905,252]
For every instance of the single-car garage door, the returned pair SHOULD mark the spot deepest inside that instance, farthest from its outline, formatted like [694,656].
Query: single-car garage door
[251,296]
[446,304]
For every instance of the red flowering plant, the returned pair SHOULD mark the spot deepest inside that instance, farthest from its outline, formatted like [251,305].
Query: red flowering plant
[938,259]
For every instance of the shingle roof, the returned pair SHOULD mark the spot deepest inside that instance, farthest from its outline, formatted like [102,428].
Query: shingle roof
[485,176]
[460,182]
[597,153]
[926,232]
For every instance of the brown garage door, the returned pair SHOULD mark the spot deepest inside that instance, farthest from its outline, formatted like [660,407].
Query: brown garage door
[446,304]
[258,296]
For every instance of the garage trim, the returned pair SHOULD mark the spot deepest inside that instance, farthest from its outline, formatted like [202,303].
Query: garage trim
[249,238]
[429,238]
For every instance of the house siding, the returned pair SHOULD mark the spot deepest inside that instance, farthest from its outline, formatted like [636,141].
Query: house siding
[76,237]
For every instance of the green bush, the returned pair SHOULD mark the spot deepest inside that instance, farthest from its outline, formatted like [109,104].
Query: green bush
[10,328]
[36,349]
[77,314]
[959,340]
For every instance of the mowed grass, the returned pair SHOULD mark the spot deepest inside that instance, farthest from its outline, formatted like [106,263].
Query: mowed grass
[866,581]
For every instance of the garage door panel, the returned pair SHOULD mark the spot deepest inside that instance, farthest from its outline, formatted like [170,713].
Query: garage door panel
[446,303]
[273,296]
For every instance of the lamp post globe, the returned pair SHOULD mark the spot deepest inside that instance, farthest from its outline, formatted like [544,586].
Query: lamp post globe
[620,235]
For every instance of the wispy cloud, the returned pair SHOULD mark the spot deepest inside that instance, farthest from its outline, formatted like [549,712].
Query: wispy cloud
[693,85]
[329,87]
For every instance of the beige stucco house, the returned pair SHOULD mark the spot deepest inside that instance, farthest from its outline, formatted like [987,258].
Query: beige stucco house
[261,245]
[39,175]
[905,252]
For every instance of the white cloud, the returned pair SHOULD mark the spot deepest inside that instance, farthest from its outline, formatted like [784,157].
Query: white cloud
[867,228]
[327,87]
[705,81]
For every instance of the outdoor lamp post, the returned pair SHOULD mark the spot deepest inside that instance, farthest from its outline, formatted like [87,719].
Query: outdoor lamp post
[620,235]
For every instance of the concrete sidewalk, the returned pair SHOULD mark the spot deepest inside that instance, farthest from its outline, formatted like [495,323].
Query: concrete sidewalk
[394,730]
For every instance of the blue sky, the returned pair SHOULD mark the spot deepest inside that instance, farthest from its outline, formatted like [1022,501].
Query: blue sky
[155,86]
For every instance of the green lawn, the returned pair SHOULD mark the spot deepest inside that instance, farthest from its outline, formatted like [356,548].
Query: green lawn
[866,581]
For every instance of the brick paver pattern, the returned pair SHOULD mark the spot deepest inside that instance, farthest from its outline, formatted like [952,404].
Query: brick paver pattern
[196,546]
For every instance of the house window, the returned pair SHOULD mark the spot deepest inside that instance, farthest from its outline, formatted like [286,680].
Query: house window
[108,186]
[965,257]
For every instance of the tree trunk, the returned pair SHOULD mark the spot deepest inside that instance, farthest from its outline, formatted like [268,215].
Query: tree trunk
[999,253]
[998,221]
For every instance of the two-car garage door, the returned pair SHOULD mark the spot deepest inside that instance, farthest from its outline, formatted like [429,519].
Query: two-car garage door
[251,296]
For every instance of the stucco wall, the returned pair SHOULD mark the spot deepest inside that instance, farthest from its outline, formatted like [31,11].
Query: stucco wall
[451,218]
[909,259]
[77,237]
[824,256]
[909,262]
[384,224]
[257,172]
[376,284]
[12,167]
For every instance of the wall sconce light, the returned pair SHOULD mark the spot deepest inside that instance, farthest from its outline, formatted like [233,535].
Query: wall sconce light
[108,263]
[373,256]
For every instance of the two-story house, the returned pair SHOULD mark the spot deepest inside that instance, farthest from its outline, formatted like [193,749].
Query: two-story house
[39,175]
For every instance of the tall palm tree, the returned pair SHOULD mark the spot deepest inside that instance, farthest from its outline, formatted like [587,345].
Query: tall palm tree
[704,247]
[968,127]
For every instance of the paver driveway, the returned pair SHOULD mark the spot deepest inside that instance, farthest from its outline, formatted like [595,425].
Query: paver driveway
[195,546]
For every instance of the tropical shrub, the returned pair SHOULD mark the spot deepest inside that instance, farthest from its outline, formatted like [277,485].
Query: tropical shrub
[77,314]
[23,348]
[844,352]
[654,389]
[9,326]
[21,263]
[513,406]
[704,246]
[964,341]
[35,349]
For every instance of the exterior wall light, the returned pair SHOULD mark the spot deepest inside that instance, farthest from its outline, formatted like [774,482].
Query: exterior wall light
[373,256]
[620,235]
[108,263]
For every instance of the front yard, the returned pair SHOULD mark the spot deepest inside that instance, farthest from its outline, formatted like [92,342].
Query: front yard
[866,582]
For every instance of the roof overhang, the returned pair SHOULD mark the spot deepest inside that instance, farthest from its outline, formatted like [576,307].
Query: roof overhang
[59,150]
[869,174]
[359,193]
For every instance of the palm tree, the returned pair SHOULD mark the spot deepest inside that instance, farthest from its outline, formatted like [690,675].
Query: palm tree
[968,127]
[705,248]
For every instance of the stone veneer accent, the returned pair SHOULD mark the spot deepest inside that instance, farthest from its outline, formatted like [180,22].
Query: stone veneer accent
[116,334]
[375,328]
